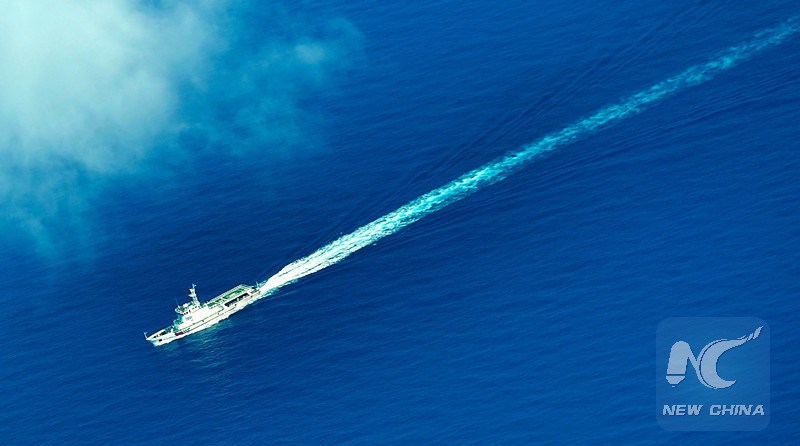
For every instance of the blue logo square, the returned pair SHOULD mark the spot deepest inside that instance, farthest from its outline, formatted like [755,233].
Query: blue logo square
[712,374]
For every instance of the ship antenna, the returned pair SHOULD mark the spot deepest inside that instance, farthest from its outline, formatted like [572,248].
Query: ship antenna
[193,295]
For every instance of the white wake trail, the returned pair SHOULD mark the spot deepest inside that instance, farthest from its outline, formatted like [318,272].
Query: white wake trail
[501,168]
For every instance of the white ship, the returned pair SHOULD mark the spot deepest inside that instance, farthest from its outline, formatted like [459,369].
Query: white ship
[194,316]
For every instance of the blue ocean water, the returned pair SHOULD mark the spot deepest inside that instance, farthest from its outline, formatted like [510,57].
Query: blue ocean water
[524,314]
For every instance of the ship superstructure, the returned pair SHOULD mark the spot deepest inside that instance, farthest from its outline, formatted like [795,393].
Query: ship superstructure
[194,315]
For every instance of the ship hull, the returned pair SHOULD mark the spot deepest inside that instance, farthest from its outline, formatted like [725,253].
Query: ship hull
[223,310]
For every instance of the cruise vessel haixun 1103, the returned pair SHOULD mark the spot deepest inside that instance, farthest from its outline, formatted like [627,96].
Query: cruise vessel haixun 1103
[194,316]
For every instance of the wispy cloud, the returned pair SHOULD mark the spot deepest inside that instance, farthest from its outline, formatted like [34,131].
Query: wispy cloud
[91,88]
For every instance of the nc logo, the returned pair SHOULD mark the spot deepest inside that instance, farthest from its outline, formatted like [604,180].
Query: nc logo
[705,364]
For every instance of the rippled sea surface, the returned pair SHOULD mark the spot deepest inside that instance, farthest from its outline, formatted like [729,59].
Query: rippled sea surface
[524,314]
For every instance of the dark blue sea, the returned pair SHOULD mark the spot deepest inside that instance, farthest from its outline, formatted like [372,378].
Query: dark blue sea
[523,314]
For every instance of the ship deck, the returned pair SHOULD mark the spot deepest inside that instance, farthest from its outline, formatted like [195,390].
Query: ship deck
[228,295]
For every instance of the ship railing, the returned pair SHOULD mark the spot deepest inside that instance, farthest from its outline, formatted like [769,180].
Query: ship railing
[158,334]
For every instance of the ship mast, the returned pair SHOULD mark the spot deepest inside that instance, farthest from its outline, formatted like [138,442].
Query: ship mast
[193,295]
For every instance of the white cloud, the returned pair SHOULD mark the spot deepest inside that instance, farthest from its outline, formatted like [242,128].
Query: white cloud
[90,88]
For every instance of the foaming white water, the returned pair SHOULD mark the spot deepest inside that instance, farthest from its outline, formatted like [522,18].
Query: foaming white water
[501,168]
